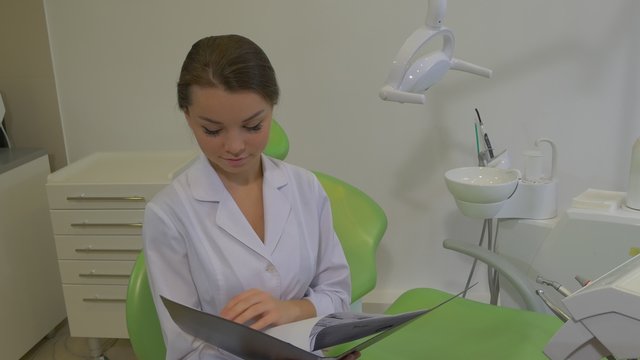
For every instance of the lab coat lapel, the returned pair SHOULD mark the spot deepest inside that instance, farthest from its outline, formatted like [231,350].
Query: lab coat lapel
[206,185]
[231,219]
[277,207]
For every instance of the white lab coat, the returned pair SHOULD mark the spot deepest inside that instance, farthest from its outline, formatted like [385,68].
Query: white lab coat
[201,251]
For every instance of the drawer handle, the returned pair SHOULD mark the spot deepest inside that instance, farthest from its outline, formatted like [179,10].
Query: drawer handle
[94,274]
[99,299]
[106,198]
[90,250]
[88,224]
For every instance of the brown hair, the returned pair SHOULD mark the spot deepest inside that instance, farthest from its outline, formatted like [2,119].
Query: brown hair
[230,62]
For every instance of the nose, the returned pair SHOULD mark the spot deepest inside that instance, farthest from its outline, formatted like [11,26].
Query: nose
[234,144]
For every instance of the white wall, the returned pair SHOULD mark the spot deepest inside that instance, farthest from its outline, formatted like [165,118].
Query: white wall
[564,70]
[27,80]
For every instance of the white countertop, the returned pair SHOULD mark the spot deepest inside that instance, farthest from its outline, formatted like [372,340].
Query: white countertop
[12,158]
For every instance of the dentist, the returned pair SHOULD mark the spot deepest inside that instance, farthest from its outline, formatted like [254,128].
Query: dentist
[239,234]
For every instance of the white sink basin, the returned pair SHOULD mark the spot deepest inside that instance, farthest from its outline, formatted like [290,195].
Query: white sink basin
[481,185]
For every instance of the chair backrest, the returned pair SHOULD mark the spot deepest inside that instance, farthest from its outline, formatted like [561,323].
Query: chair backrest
[360,224]
[358,221]
[278,143]
[142,319]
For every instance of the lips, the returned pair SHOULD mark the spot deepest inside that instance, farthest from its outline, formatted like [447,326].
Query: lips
[236,161]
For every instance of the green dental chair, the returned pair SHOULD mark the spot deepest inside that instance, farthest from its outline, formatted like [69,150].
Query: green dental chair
[462,329]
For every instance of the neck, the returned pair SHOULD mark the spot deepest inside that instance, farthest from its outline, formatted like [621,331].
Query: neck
[244,178]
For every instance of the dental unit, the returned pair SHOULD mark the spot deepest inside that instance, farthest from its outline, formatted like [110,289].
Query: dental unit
[597,233]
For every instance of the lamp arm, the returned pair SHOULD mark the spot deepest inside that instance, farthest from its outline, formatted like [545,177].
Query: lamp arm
[435,13]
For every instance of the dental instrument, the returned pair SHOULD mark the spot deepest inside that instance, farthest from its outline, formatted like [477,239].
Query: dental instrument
[554,284]
[410,78]
[553,307]
[477,142]
[485,136]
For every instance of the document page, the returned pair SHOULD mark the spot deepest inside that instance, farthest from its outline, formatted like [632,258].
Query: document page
[340,328]
[296,333]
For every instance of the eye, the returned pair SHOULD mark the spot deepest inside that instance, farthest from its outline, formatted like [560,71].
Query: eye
[211,132]
[254,128]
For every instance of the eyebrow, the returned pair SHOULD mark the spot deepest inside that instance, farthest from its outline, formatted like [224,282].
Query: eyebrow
[213,121]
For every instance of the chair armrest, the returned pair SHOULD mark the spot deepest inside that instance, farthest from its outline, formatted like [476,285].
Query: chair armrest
[515,276]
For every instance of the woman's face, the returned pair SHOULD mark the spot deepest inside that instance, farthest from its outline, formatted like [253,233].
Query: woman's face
[231,128]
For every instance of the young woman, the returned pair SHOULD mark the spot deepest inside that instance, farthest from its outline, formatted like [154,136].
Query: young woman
[239,234]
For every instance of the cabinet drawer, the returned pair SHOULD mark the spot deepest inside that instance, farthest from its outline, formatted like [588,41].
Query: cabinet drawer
[115,180]
[97,222]
[107,196]
[96,310]
[98,247]
[95,272]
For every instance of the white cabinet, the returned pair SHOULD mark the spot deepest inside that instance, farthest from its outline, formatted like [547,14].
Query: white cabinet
[97,208]
[31,302]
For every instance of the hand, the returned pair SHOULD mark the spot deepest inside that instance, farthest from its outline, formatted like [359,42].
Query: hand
[266,310]
[352,356]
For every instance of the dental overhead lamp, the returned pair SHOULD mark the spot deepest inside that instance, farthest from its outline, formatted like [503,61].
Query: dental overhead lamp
[408,80]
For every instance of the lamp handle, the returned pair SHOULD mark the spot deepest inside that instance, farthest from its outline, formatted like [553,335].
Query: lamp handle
[461,65]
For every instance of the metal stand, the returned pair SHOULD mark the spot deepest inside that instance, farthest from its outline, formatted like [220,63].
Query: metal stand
[95,349]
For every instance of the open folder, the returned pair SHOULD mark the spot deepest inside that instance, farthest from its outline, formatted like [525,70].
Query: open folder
[279,343]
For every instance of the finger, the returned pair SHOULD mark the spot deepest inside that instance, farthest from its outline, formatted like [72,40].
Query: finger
[254,311]
[352,356]
[240,303]
[244,295]
[263,322]
[241,297]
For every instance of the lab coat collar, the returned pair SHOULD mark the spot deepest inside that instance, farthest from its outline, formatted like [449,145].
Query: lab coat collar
[205,185]
[204,182]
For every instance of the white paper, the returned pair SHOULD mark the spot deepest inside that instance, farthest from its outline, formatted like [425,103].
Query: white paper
[296,333]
